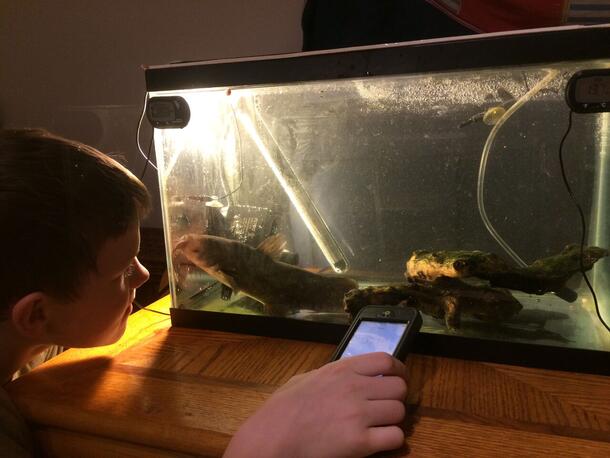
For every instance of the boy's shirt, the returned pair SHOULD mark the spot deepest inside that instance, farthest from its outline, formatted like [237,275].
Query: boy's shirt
[15,439]
[47,354]
[501,15]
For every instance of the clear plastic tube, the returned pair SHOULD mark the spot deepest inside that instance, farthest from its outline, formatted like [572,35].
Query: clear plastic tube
[552,74]
[600,224]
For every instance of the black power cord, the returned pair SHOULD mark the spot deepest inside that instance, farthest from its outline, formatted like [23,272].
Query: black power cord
[149,310]
[583,223]
[152,136]
[138,127]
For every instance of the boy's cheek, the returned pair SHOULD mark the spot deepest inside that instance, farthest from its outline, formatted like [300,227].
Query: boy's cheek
[90,331]
[93,339]
[106,335]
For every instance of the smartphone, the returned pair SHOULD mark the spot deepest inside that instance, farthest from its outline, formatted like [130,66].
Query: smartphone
[380,328]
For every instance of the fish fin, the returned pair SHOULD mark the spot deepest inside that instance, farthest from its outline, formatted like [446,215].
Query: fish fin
[223,277]
[567,294]
[273,245]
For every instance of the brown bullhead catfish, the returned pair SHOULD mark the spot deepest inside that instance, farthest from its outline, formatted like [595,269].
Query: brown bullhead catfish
[281,287]
[542,276]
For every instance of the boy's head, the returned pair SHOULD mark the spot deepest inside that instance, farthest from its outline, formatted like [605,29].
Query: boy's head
[69,234]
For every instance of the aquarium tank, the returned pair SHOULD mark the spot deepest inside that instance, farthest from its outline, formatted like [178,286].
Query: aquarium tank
[465,177]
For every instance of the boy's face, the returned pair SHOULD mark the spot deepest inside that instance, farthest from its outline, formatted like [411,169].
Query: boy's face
[99,315]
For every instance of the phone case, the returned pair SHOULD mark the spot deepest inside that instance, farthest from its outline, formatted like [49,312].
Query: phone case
[388,314]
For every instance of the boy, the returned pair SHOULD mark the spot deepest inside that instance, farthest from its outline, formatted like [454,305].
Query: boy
[70,238]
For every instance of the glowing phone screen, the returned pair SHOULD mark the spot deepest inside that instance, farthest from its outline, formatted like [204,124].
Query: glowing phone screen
[373,336]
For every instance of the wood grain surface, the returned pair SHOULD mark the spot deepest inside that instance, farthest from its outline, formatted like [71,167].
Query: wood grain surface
[184,392]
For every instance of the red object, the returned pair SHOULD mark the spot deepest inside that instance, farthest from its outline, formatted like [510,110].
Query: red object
[501,15]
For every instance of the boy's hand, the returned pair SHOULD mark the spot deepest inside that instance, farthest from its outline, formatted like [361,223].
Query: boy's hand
[342,409]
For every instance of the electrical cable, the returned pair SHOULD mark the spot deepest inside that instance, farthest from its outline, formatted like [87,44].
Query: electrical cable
[150,144]
[583,223]
[147,158]
[149,310]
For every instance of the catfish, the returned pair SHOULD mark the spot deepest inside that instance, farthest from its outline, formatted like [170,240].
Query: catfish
[281,287]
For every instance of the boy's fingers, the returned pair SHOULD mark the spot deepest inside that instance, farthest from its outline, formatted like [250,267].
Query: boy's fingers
[385,412]
[388,387]
[378,363]
[384,438]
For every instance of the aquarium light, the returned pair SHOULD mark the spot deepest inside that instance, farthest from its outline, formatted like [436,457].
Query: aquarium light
[298,196]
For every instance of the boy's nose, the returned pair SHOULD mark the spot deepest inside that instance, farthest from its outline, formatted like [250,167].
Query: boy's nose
[140,276]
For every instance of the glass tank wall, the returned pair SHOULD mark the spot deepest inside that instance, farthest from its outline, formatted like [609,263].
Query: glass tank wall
[438,190]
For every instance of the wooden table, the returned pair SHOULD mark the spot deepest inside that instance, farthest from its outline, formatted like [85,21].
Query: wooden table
[163,391]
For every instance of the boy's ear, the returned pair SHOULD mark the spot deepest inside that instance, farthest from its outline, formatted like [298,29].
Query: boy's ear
[30,315]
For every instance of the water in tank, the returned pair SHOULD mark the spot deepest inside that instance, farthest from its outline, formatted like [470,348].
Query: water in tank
[457,191]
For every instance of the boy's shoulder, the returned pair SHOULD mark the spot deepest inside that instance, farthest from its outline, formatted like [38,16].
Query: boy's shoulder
[15,439]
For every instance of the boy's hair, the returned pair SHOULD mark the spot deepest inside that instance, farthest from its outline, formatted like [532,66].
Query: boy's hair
[60,200]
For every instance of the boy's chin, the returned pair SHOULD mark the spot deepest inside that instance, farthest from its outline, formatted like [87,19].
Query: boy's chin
[114,338]
[101,341]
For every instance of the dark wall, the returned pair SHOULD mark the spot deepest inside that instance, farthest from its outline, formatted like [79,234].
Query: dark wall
[74,66]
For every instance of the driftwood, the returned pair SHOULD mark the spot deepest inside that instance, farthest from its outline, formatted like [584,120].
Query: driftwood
[445,298]
[434,284]
[542,276]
